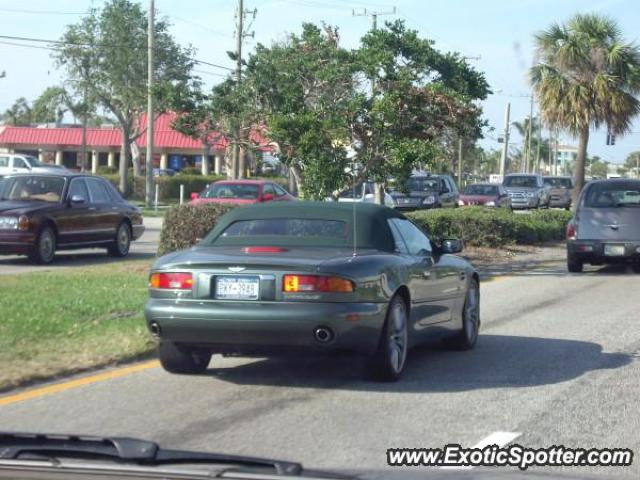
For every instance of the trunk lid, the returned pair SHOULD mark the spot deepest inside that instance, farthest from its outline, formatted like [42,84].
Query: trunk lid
[617,223]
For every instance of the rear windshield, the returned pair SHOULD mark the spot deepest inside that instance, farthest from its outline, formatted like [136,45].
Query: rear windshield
[481,190]
[423,184]
[36,188]
[611,195]
[521,181]
[558,182]
[232,190]
[288,228]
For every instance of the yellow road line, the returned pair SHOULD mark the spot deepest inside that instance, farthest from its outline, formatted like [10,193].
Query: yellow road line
[79,382]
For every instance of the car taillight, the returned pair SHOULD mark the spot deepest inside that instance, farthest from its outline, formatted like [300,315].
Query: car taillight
[572,233]
[171,281]
[316,283]
[264,250]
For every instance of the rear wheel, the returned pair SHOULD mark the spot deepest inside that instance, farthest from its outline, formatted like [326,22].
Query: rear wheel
[44,249]
[467,338]
[120,247]
[388,362]
[574,265]
[184,360]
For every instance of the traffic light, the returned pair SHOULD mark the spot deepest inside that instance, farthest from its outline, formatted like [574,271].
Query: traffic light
[611,139]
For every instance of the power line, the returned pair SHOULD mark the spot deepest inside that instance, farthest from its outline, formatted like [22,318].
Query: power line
[199,25]
[41,12]
[86,44]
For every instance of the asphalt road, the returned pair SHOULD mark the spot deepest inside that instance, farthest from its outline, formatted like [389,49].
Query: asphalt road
[145,247]
[557,363]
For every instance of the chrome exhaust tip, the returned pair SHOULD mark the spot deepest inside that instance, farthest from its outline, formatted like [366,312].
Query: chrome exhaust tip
[323,334]
[155,329]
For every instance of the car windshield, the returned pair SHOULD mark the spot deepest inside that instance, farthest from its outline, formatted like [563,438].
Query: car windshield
[288,227]
[481,190]
[34,162]
[32,188]
[558,182]
[241,191]
[524,181]
[423,184]
[608,195]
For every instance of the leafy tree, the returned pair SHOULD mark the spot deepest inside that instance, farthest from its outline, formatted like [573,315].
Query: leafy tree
[20,113]
[632,163]
[598,168]
[51,105]
[587,75]
[105,58]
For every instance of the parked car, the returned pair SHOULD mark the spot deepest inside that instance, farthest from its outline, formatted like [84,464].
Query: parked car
[606,225]
[308,277]
[241,192]
[527,190]
[163,172]
[485,194]
[427,191]
[365,192]
[11,163]
[42,213]
[561,189]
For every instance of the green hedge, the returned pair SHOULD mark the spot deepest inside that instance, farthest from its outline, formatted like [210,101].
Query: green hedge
[483,227]
[185,224]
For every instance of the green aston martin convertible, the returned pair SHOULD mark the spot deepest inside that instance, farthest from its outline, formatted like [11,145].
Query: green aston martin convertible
[304,277]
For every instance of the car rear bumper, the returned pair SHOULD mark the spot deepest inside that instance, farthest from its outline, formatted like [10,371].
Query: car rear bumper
[13,242]
[560,202]
[137,231]
[593,251]
[245,327]
[524,202]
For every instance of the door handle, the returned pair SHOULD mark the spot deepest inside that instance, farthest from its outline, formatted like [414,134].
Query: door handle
[463,275]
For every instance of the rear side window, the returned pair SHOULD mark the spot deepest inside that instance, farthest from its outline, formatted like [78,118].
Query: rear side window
[97,191]
[19,163]
[279,191]
[116,196]
[4,162]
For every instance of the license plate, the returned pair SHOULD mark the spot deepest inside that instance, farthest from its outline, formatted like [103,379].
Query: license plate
[237,288]
[406,200]
[614,250]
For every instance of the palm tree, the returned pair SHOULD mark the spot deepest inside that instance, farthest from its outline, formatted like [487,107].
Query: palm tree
[586,76]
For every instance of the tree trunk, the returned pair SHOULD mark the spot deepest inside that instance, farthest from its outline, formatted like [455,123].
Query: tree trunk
[580,163]
[297,176]
[135,153]
[205,160]
[242,163]
[124,165]
[378,193]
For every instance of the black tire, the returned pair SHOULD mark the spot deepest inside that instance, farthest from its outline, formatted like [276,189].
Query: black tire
[44,249]
[121,245]
[636,268]
[467,338]
[182,360]
[574,265]
[388,362]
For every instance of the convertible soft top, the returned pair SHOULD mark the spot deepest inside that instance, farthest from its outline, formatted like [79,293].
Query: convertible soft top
[371,222]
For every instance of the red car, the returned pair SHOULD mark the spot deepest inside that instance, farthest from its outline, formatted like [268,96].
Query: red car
[241,192]
[486,194]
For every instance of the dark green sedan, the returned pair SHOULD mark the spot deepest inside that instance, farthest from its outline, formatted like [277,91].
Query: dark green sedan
[307,277]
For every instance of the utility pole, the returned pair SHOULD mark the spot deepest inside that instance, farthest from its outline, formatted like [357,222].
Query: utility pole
[150,116]
[537,170]
[237,158]
[550,163]
[527,157]
[460,163]
[505,146]
[379,188]
[85,114]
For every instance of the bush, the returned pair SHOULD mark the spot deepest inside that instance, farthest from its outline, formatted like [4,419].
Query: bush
[169,187]
[484,227]
[190,171]
[185,224]
[102,170]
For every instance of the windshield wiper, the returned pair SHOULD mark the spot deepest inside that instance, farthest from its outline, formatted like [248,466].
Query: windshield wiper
[14,446]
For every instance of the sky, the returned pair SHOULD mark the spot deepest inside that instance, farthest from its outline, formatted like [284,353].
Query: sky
[495,35]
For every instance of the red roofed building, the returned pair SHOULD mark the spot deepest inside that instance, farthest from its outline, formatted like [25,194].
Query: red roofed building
[62,145]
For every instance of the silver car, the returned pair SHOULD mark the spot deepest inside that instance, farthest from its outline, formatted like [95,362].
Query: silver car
[527,191]
[606,226]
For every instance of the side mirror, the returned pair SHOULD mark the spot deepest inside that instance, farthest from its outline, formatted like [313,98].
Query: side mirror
[267,197]
[77,200]
[451,246]
[194,196]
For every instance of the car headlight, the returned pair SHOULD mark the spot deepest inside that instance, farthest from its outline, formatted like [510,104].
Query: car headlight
[460,203]
[490,203]
[8,223]
[531,194]
[430,200]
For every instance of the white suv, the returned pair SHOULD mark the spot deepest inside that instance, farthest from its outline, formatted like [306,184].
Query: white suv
[17,163]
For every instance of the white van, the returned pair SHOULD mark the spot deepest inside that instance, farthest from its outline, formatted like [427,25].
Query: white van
[11,163]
